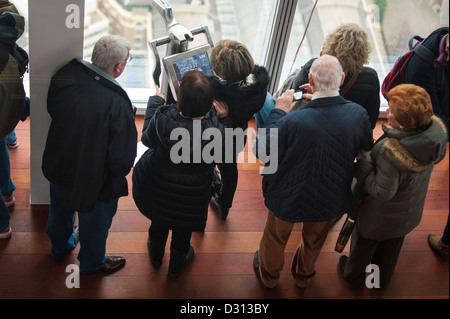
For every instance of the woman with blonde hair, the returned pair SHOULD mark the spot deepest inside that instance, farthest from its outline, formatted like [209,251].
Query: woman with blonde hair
[243,86]
[350,44]
[394,180]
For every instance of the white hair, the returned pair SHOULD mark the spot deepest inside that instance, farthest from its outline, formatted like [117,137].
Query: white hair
[327,73]
[110,51]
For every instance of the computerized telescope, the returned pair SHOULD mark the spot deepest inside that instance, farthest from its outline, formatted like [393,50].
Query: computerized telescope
[179,57]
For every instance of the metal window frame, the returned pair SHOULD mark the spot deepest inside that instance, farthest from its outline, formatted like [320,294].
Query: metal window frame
[279,41]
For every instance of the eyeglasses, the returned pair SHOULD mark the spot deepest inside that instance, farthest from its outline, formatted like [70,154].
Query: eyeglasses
[129,59]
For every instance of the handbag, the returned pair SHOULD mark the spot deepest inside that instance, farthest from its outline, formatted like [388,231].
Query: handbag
[345,234]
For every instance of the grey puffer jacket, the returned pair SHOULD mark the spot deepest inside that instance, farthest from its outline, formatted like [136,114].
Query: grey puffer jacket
[395,179]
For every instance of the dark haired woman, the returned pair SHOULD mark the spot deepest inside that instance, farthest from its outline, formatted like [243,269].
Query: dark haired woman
[175,195]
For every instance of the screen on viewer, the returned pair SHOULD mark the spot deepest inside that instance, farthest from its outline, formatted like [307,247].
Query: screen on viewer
[197,62]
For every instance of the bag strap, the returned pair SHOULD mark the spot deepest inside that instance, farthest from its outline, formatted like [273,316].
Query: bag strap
[425,53]
[349,85]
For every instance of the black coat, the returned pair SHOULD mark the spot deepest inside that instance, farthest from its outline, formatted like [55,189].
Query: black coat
[433,80]
[243,102]
[175,195]
[365,91]
[92,141]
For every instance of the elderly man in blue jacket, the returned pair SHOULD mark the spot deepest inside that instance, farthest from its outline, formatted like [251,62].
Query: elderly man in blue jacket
[317,147]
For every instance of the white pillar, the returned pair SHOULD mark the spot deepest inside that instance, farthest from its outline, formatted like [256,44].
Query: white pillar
[56,29]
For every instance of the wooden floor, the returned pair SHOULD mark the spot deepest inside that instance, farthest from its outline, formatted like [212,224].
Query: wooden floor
[222,268]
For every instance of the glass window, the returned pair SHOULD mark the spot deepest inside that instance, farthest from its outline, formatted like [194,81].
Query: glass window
[247,21]
[390,24]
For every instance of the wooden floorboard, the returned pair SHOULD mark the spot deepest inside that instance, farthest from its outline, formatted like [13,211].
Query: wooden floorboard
[222,268]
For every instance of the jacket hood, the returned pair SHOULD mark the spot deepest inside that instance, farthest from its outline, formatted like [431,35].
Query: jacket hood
[12,24]
[234,92]
[243,101]
[417,151]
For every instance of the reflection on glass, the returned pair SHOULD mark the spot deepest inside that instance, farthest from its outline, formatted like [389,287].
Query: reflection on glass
[390,24]
[246,21]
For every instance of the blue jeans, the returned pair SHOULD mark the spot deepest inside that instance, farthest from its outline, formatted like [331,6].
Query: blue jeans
[6,185]
[94,229]
[264,113]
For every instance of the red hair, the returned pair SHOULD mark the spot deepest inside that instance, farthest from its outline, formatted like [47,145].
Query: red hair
[411,106]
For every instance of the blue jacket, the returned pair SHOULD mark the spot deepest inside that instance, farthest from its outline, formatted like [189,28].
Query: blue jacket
[317,147]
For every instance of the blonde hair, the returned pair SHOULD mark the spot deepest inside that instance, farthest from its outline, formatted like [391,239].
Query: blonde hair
[350,44]
[232,61]
[411,106]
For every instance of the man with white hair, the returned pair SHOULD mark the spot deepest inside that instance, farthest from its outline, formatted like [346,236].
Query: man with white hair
[91,147]
[317,146]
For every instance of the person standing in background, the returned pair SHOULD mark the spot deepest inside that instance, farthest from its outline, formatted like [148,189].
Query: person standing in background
[12,103]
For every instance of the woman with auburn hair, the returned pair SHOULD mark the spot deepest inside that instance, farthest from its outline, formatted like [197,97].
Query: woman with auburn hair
[243,86]
[350,44]
[394,182]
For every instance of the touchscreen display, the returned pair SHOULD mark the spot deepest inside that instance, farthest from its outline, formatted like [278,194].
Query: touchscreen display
[196,62]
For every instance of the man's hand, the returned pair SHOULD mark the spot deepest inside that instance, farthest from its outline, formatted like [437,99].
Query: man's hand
[309,92]
[286,101]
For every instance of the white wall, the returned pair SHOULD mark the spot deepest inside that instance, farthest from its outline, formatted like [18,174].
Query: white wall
[53,43]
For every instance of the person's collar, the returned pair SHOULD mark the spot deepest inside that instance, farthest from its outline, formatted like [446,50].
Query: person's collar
[100,71]
[323,94]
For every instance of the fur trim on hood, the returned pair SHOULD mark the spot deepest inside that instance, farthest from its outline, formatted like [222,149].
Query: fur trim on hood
[430,144]
[245,100]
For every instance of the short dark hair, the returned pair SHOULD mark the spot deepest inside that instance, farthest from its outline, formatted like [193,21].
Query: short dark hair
[196,95]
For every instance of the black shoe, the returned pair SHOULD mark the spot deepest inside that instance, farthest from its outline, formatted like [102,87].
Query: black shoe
[179,262]
[156,253]
[341,265]
[223,212]
[256,269]
[342,262]
[112,264]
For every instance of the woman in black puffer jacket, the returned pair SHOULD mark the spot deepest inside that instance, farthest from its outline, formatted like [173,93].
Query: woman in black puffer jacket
[243,86]
[175,196]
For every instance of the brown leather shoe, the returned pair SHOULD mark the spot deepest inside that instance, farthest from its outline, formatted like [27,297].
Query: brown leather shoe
[112,264]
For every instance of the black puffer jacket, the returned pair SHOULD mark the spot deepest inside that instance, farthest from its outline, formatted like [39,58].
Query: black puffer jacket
[365,91]
[176,195]
[243,102]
